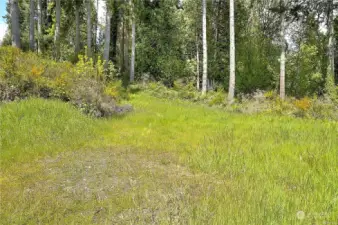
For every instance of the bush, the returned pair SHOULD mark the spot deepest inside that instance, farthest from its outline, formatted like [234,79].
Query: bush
[25,74]
[257,102]
[116,90]
[302,106]
[217,98]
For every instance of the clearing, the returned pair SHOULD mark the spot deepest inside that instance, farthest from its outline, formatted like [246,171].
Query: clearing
[168,162]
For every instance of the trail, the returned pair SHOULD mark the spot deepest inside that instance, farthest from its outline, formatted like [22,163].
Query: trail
[114,186]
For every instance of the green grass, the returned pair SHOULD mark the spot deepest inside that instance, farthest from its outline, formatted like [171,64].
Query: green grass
[170,162]
[37,127]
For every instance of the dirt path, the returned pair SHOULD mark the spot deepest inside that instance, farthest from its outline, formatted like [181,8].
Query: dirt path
[107,186]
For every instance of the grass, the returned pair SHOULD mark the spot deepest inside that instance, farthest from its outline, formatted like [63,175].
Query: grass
[37,127]
[168,162]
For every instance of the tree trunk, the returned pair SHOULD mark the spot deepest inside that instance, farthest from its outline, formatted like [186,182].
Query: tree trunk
[282,58]
[205,50]
[180,4]
[89,28]
[77,32]
[57,30]
[107,38]
[31,25]
[96,27]
[231,93]
[330,82]
[15,24]
[197,64]
[132,59]
[122,45]
[114,21]
[126,47]
[126,40]
[39,25]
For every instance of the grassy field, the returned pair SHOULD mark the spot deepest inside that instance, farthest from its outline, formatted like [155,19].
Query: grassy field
[168,162]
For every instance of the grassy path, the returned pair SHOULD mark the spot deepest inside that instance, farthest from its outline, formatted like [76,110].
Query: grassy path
[166,163]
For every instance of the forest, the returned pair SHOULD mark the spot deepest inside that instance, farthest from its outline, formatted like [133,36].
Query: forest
[169,112]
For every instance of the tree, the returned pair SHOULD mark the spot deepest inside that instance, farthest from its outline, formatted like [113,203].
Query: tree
[107,35]
[132,58]
[331,49]
[89,28]
[282,57]
[180,4]
[31,25]
[77,25]
[15,25]
[197,63]
[57,30]
[205,48]
[231,93]
[39,6]
[126,39]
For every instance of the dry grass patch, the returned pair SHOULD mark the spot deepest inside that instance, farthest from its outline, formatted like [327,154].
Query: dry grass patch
[103,186]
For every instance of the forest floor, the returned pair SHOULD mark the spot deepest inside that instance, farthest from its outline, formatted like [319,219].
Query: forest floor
[168,162]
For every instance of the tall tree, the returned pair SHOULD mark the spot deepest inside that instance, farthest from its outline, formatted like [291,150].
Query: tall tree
[107,35]
[126,39]
[96,27]
[31,25]
[15,24]
[231,93]
[283,49]
[77,27]
[39,6]
[133,34]
[331,48]
[57,30]
[197,63]
[89,28]
[205,48]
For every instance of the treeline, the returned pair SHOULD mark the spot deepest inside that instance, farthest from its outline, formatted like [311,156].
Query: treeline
[287,46]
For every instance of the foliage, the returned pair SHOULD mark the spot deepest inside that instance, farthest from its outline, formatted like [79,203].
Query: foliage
[25,74]
[259,102]
[116,90]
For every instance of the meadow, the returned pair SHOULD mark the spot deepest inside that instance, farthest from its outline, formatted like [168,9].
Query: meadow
[168,162]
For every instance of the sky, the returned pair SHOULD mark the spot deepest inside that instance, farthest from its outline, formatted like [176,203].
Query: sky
[3,25]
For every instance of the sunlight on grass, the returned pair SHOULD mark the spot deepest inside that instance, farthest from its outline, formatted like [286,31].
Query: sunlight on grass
[38,127]
[274,166]
[255,169]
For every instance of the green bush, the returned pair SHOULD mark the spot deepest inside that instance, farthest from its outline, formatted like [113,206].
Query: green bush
[217,99]
[25,74]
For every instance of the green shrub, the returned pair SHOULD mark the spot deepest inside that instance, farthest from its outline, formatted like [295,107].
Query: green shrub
[25,74]
[323,108]
[217,98]
[116,90]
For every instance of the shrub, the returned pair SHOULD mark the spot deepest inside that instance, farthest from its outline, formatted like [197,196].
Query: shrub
[302,106]
[116,91]
[83,84]
[323,108]
[217,98]
[270,95]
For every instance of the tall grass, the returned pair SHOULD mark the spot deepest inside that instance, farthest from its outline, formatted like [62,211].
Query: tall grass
[271,167]
[256,169]
[36,127]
